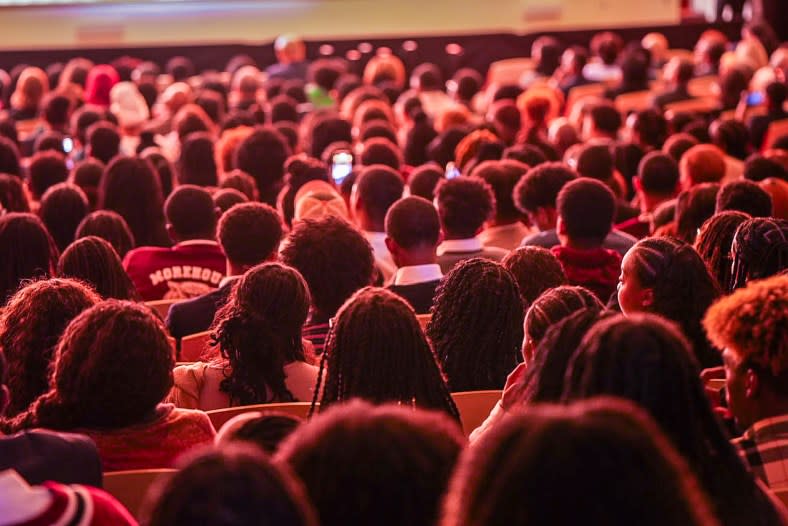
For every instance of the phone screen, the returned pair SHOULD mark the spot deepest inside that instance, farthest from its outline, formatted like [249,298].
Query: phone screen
[452,171]
[755,98]
[341,166]
[68,144]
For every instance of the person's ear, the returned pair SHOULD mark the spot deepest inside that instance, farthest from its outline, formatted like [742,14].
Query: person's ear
[636,183]
[171,232]
[560,229]
[441,237]
[647,298]
[752,384]
[391,245]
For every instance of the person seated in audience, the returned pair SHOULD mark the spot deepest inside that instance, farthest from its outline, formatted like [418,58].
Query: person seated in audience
[677,74]
[586,209]
[46,169]
[103,142]
[424,179]
[667,277]
[733,138]
[266,429]
[601,121]
[605,48]
[412,237]
[93,261]
[713,244]
[257,334]
[111,371]
[677,144]
[506,120]
[26,250]
[476,325]
[249,234]
[656,183]
[52,503]
[371,454]
[744,196]
[227,198]
[195,264]
[596,161]
[377,351]
[730,85]
[570,73]
[759,250]
[262,154]
[427,80]
[707,55]
[546,55]
[63,206]
[236,484]
[109,226]
[703,163]
[291,59]
[196,164]
[375,190]
[645,359]
[464,85]
[464,204]
[751,326]
[32,86]
[776,94]
[657,46]
[536,270]
[634,65]
[335,260]
[12,194]
[575,444]
[506,229]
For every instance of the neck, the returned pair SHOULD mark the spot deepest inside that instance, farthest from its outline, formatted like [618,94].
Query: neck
[580,244]
[649,203]
[425,255]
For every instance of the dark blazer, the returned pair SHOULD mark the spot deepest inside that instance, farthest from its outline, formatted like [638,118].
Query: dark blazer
[39,455]
[196,315]
[419,295]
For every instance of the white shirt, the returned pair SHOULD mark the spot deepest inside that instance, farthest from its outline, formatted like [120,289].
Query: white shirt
[417,274]
[473,244]
[381,252]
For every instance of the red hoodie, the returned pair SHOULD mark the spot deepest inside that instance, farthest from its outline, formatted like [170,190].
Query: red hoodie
[596,269]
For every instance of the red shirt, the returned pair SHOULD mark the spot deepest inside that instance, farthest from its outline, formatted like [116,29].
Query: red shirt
[188,269]
[596,269]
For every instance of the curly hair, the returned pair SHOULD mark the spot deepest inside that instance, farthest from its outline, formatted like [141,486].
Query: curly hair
[262,154]
[693,208]
[464,204]
[682,286]
[536,270]
[553,306]
[258,332]
[30,326]
[112,367]
[545,463]
[645,359]
[377,351]
[26,250]
[539,187]
[759,250]
[477,325]
[334,258]
[713,244]
[63,207]
[110,226]
[752,323]
[94,261]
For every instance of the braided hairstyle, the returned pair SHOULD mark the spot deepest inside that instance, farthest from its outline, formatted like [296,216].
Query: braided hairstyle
[646,359]
[377,351]
[553,306]
[714,244]
[682,287]
[94,261]
[258,332]
[26,250]
[477,325]
[759,250]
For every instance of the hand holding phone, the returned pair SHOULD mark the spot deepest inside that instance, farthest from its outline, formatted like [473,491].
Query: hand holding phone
[341,166]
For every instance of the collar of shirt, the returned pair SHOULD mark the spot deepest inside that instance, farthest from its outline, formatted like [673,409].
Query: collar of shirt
[227,280]
[768,428]
[191,242]
[417,274]
[473,244]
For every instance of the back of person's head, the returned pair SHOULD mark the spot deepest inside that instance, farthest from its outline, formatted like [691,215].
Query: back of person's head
[426,77]
[103,141]
[46,169]
[605,118]
[732,81]
[63,207]
[375,190]
[258,332]
[673,282]
[412,222]
[744,196]
[464,204]
[732,137]
[190,213]
[418,139]
[465,83]
[262,155]
[595,161]
[502,176]
[776,93]
[112,367]
[424,179]
[87,176]
[92,260]
[109,226]
[131,188]
[539,187]
[536,270]
[226,198]
[283,109]
[197,164]
[713,244]
[57,110]
[266,429]
[757,168]
[180,68]
[649,128]
[693,207]
[377,351]
[574,445]
[526,154]
[679,143]
[381,151]
[607,46]
[162,168]
[30,325]
[553,306]
[234,485]
[476,325]
[377,129]
[241,181]
[586,209]
[334,258]
[324,130]
[370,454]
[9,157]
[26,250]
[658,175]
[701,164]
[84,118]
[249,233]
[759,250]
[12,194]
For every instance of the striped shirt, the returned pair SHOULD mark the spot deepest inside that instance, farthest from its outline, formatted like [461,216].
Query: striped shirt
[764,446]
[316,331]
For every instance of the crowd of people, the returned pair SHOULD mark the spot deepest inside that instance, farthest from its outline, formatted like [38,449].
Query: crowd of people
[372,242]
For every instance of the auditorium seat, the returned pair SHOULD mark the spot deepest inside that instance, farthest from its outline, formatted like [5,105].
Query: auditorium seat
[193,346]
[633,101]
[579,93]
[475,407]
[508,71]
[701,105]
[220,416]
[130,487]
[161,307]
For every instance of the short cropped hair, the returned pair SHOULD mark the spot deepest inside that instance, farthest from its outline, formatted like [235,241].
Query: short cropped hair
[536,270]
[702,164]
[502,176]
[595,161]
[249,233]
[104,141]
[191,212]
[412,222]
[605,117]
[658,174]
[46,169]
[377,188]
[587,208]
[744,196]
[464,204]
[424,179]
[540,186]
[757,168]
[379,150]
